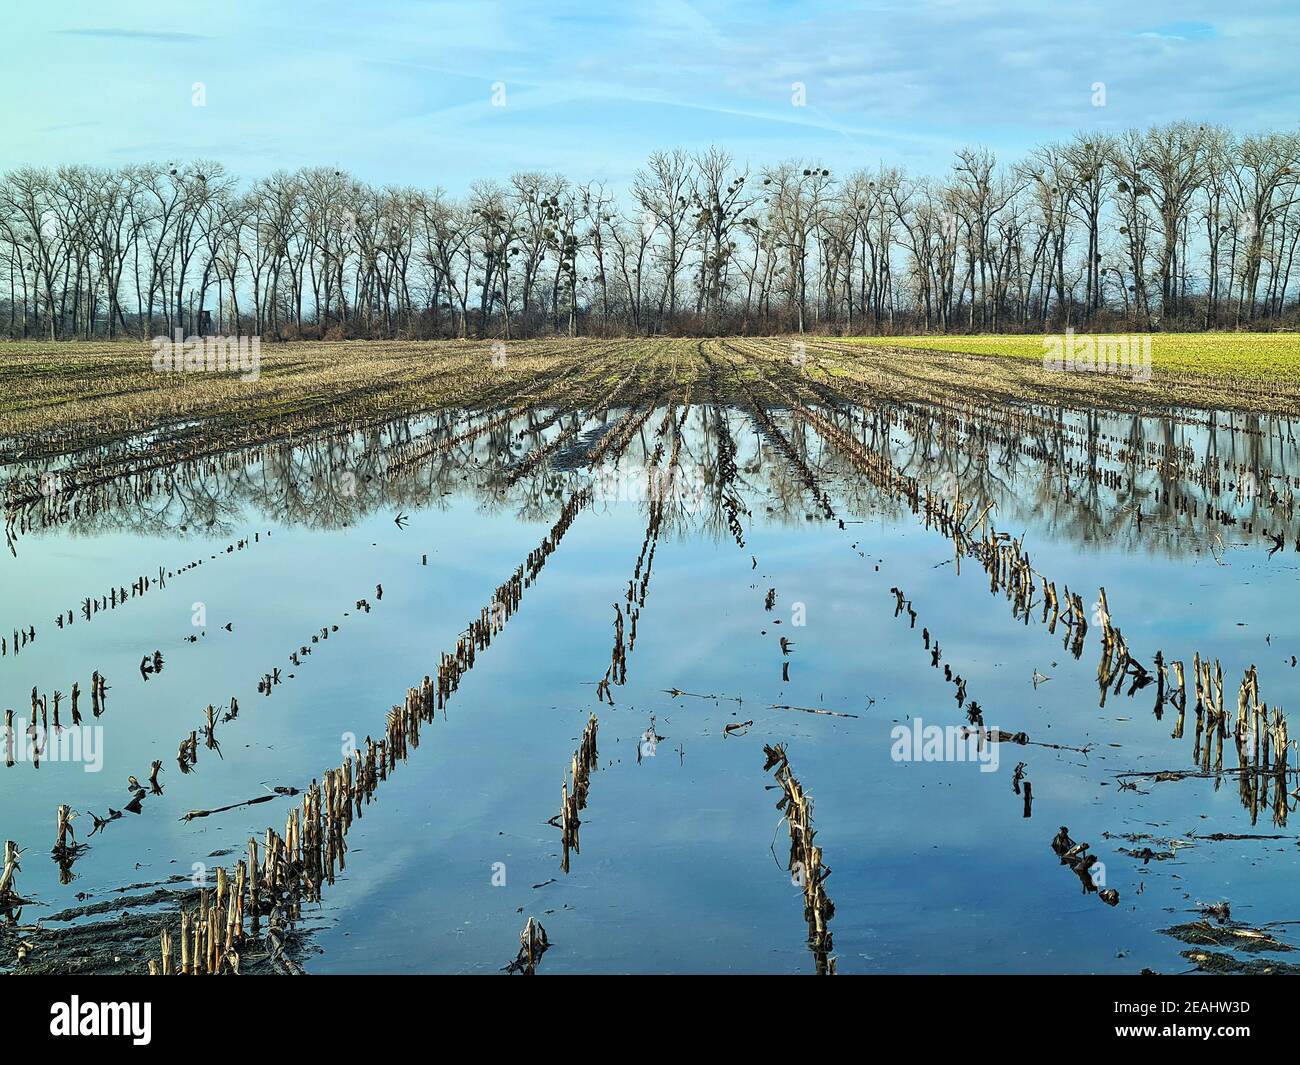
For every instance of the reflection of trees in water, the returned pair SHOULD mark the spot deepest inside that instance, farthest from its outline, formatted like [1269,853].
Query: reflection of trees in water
[1034,484]
[1039,479]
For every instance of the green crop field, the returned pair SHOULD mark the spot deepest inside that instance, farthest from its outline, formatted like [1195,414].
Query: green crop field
[1249,355]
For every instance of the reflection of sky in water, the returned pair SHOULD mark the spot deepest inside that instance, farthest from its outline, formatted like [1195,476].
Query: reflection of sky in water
[934,866]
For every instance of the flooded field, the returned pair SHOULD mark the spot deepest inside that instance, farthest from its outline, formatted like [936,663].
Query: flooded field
[665,656]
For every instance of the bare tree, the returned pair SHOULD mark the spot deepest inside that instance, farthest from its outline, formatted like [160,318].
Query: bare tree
[1176,227]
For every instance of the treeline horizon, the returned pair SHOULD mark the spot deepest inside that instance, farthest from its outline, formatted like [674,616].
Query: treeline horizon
[1177,227]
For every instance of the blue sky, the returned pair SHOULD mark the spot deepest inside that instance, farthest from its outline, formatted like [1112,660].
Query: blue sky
[401,91]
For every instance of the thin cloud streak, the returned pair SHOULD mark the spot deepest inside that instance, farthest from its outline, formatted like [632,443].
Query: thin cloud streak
[165,36]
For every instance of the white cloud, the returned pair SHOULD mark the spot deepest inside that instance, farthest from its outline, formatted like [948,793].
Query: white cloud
[398,90]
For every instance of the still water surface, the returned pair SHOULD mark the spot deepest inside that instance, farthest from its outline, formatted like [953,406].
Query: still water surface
[935,865]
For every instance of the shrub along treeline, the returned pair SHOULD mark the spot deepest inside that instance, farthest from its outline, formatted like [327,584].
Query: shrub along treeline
[1175,227]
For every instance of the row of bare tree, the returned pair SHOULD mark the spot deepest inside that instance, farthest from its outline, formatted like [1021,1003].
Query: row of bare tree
[1175,227]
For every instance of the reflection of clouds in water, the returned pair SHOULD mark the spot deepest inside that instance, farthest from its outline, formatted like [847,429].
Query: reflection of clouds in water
[700,628]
